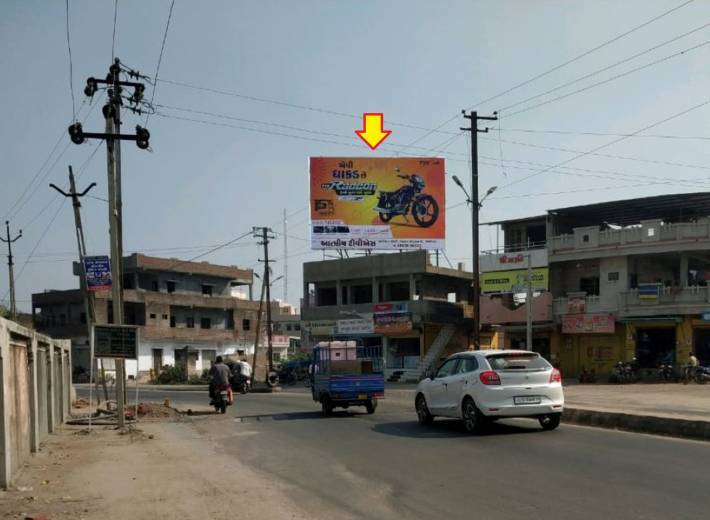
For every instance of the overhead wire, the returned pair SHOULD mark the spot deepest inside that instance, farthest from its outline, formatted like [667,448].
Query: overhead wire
[160,58]
[555,68]
[604,134]
[71,67]
[607,80]
[606,145]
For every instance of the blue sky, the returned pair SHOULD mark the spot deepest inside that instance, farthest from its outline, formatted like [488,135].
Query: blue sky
[418,62]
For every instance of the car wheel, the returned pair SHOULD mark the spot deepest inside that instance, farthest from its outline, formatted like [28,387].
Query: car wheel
[371,406]
[326,406]
[423,414]
[473,419]
[550,421]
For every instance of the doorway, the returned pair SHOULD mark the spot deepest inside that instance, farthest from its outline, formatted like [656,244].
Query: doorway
[701,345]
[157,360]
[655,346]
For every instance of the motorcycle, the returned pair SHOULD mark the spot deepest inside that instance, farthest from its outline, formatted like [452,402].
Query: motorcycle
[624,373]
[587,376]
[221,399]
[241,384]
[702,375]
[666,373]
[409,198]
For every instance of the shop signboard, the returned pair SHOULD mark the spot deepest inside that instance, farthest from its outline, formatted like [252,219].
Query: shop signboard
[320,327]
[577,303]
[393,323]
[649,292]
[98,272]
[507,261]
[588,324]
[115,341]
[363,325]
[706,316]
[514,281]
[377,203]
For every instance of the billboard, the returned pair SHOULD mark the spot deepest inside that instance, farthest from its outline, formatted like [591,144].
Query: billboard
[377,203]
[98,272]
[588,324]
[514,281]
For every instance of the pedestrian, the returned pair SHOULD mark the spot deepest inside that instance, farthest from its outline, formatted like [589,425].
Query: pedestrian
[691,367]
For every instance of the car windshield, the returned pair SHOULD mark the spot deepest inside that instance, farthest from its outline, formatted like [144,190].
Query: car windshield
[517,361]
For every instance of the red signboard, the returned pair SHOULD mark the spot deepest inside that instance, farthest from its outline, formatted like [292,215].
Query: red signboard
[588,324]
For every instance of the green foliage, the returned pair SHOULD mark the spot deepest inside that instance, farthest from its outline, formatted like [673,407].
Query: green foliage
[4,312]
[200,379]
[170,375]
[299,356]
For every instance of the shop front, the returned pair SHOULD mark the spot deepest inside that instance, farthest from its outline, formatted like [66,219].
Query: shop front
[588,342]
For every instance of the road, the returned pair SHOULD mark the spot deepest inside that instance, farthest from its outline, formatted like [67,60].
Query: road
[386,466]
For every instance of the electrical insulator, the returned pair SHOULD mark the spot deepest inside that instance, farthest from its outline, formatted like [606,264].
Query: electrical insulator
[76,132]
[142,137]
[109,111]
[138,94]
[91,87]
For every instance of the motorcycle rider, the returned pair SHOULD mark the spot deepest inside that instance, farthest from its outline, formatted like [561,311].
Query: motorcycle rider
[219,380]
[691,367]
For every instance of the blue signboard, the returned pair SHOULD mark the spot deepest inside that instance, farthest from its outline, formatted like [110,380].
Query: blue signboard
[98,272]
[649,292]
[706,315]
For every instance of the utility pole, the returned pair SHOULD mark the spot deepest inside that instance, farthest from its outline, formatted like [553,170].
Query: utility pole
[265,234]
[475,208]
[9,241]
[88,296]
[258,332]
[113,137]
[285,257]
[529,302]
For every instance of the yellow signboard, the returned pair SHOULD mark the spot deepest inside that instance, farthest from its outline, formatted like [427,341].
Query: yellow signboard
[515,281]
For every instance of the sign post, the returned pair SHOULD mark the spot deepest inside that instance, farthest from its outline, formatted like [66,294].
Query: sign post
[98,272]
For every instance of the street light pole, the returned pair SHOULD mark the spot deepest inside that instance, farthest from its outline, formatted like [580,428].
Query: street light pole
[529,302]
[475,208]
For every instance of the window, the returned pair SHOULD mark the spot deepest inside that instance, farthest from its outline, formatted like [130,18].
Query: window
[468,364]
[190,322]
[344,294]
[172,321]
[326,296]
[585,238]
[207,290]
[297,326]
[154,286]
[447,368]
[613,277]
[62,319]
[288,326]
[205,323]
[589,285]
[246,324]
[171,286]
[651,232]
[152,316]
[165,316]
[517,361]
[276,356]
[399,291]
[361,293]
[82,317]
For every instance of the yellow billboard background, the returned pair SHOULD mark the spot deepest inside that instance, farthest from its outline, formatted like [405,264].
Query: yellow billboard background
[373,175]
[515,281]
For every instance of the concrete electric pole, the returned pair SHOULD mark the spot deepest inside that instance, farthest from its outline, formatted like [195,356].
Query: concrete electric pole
[475,208]
[265,234]
[529,305]
[113,137]
[11,273]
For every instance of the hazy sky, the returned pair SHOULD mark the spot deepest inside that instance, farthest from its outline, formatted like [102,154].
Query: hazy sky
[419,62]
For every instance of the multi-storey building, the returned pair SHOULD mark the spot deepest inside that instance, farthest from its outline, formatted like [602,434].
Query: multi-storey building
[417,312]
[186,312]
[626,279]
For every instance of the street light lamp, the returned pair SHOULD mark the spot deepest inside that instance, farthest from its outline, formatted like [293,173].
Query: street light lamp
[475,208]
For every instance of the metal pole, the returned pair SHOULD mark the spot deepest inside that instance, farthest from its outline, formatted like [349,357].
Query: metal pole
[285,257]
[258,333]
[11,270]
[267,282]
[529,302]
[113,116]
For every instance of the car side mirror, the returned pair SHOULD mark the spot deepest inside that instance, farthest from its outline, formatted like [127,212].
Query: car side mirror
[429,374]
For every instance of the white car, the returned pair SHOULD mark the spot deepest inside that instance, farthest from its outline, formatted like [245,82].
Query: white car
[484,385]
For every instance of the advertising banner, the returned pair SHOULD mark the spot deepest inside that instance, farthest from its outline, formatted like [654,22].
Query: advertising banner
[98,272]
[577,304]
[364,325]
[320,327]
[588,324]
[393,323]
[649,292]
[115,341]
[377,203]
[514,281]
[506,261]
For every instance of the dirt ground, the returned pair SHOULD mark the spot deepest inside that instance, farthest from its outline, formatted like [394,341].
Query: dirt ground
[164,470]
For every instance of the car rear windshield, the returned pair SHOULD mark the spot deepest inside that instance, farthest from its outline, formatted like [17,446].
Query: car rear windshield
[517,361]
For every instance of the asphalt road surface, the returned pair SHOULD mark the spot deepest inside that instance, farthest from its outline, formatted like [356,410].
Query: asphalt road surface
[387,466]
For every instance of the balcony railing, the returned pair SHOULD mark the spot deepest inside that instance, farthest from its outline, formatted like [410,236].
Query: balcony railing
[592,304]
[422,310]
[678,296]
[647,233]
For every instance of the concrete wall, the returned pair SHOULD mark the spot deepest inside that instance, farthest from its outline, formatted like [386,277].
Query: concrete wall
[609,289]
[35,393]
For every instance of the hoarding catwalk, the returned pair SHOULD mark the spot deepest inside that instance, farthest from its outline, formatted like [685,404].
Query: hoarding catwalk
[377,203]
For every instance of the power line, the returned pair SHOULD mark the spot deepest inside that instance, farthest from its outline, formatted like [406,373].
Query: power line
[160,58]
[604,69]
[608,80]
[71,68]
[113,40]
[606,134]
[618,140]
[555,68]
[608,156]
